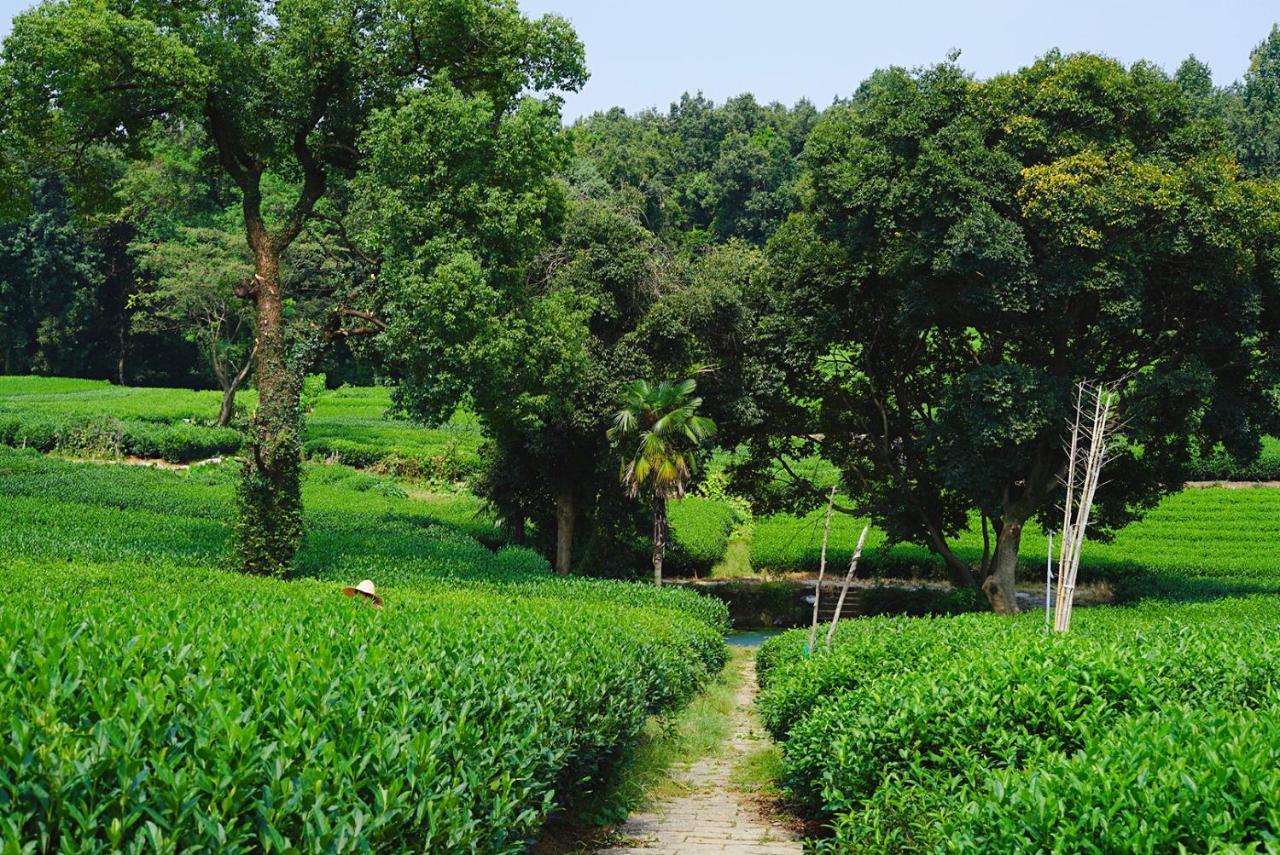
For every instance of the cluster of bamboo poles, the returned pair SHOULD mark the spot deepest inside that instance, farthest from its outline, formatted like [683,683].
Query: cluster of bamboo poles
[1087,453]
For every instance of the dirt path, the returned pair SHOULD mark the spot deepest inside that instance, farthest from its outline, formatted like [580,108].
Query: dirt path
[711,816]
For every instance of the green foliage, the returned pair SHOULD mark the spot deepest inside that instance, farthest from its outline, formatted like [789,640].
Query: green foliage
[1199,533]
[1221,467]
[995,242]
[1175,780]
[461,197]
[700,172]
[1257,122]
[907,730]
[700,529]
[455,719]
[49,270]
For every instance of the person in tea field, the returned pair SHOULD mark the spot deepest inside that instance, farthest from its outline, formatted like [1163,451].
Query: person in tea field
[366,591]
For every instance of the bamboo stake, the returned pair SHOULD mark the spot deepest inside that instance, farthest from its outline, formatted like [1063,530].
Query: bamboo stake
[1048,581]
[822,569]
[848,577]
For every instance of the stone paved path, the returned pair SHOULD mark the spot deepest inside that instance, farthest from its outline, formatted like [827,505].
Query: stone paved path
[710,817]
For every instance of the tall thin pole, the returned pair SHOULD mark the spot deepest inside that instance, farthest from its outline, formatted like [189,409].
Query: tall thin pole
[822,569]
[1048,580]
[848,577]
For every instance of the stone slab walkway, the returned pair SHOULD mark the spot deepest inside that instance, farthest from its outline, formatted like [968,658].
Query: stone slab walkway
[710,816]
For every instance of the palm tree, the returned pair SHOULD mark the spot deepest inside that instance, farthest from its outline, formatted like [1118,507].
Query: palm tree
[661,426]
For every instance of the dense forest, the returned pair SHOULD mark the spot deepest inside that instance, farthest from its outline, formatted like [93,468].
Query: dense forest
[905,283]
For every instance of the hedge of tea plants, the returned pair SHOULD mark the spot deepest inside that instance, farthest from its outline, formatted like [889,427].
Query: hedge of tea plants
[150,700]
[92,418]
[982,733]
[350,425]
[700,529]
[1210,532]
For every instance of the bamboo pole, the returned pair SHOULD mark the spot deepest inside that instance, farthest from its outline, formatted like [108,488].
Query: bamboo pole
[848,577]
[1048,582]
[822,569]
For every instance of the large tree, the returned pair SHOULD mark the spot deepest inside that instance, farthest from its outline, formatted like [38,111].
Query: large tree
[971,250]
[278,87]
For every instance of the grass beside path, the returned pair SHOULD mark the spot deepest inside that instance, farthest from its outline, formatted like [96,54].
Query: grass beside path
[736,562]
[701,729]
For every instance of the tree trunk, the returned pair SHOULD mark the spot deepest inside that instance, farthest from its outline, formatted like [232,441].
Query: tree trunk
[122,347]
[565,518]
[270,500]
[1000,586]
[659,537]
[959,570]
[228,408]
[232,386]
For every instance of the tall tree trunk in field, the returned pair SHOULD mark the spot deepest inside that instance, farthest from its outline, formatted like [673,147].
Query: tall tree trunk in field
[1000,586]
[269,522]
[565,519]
[659,536]
[1021,500]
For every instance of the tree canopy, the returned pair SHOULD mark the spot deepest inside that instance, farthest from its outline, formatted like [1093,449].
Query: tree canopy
[971,250]
[281,89]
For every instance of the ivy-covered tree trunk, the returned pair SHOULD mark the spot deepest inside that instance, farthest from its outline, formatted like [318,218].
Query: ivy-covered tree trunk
[659,537]
[269,499]
[566,514]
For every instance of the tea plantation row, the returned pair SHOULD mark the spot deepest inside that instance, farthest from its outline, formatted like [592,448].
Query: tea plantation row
[1204,532]
[1154,728]
[150,700]
[347,425]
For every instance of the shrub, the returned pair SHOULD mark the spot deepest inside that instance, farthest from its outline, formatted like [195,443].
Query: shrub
[179,443]
[1186,779]
[700,529]
[181,709]
[904,719]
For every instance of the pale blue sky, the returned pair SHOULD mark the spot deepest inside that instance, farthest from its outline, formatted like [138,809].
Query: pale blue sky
[645,53]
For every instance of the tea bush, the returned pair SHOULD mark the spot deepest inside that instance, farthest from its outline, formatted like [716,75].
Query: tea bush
[700,529]
[1211,532]
[1185,779]
[347,425]
[151,700]
[1220,467]
[909,733]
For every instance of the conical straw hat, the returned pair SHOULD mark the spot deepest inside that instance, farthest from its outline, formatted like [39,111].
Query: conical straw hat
[366,590]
